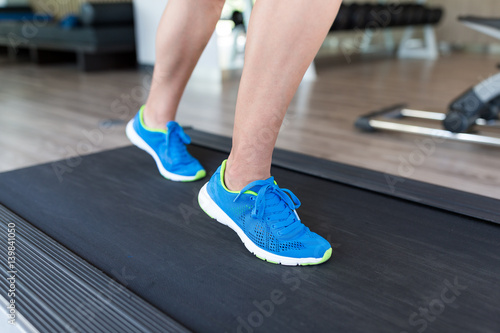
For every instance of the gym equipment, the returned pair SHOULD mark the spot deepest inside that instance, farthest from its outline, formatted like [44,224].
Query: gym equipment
[342,20]
[357,19]
[416,14]
[478,107]
[381,15]
[371,17]
[16,9]
[434,15]
[381,120]
[26,17]
[237,18]
[106,14]
[105,41]
[21,14]
[359,15]
[399,245]
[488,26]
[396,12]
[69,22]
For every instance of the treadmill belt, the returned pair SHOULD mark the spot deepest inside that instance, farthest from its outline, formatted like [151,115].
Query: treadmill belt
[396,265]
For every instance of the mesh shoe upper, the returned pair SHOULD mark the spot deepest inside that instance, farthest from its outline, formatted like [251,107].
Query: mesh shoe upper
[267,215]
[169,145]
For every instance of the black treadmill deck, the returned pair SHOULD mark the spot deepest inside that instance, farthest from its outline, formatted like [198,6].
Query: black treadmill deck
[392,259]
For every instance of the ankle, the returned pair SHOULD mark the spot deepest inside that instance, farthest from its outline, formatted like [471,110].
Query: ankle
[236,177]
[233,183]
[151,120]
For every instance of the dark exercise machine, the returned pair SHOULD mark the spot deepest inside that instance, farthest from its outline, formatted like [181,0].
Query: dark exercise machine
[474,111]
[105,244]
[361,16]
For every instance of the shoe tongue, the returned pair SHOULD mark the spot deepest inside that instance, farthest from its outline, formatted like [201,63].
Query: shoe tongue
[271,198]
[172,129]
[175,132]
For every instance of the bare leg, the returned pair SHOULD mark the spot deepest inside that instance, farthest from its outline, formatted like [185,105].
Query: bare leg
[283,38]
[183,33]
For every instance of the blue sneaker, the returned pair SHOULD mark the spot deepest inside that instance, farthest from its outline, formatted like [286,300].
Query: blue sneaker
[264,217]
[168,148]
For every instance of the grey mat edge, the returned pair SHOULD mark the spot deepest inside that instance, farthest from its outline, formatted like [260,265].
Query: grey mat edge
[53,278]
[451,200]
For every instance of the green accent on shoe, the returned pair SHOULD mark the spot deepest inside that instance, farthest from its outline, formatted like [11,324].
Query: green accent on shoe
[326,256]
[199,175]
[222,172]
[262,258]
[141,117]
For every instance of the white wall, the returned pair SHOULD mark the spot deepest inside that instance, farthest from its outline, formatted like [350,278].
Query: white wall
[147,17]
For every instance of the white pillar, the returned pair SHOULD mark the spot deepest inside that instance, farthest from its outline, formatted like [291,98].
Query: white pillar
[147,17]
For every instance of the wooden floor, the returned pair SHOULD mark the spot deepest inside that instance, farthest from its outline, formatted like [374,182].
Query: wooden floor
[52,113]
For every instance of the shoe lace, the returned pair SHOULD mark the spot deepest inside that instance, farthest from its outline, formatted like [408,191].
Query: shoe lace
[177,140]
[278,205]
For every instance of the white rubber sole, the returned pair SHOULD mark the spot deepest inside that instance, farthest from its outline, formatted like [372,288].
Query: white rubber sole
[215,212]
[140,143]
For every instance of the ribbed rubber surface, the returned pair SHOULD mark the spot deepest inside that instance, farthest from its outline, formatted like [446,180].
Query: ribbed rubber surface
[57,291]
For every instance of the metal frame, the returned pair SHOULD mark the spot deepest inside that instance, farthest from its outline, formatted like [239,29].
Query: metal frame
[373,121]
[490,31]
